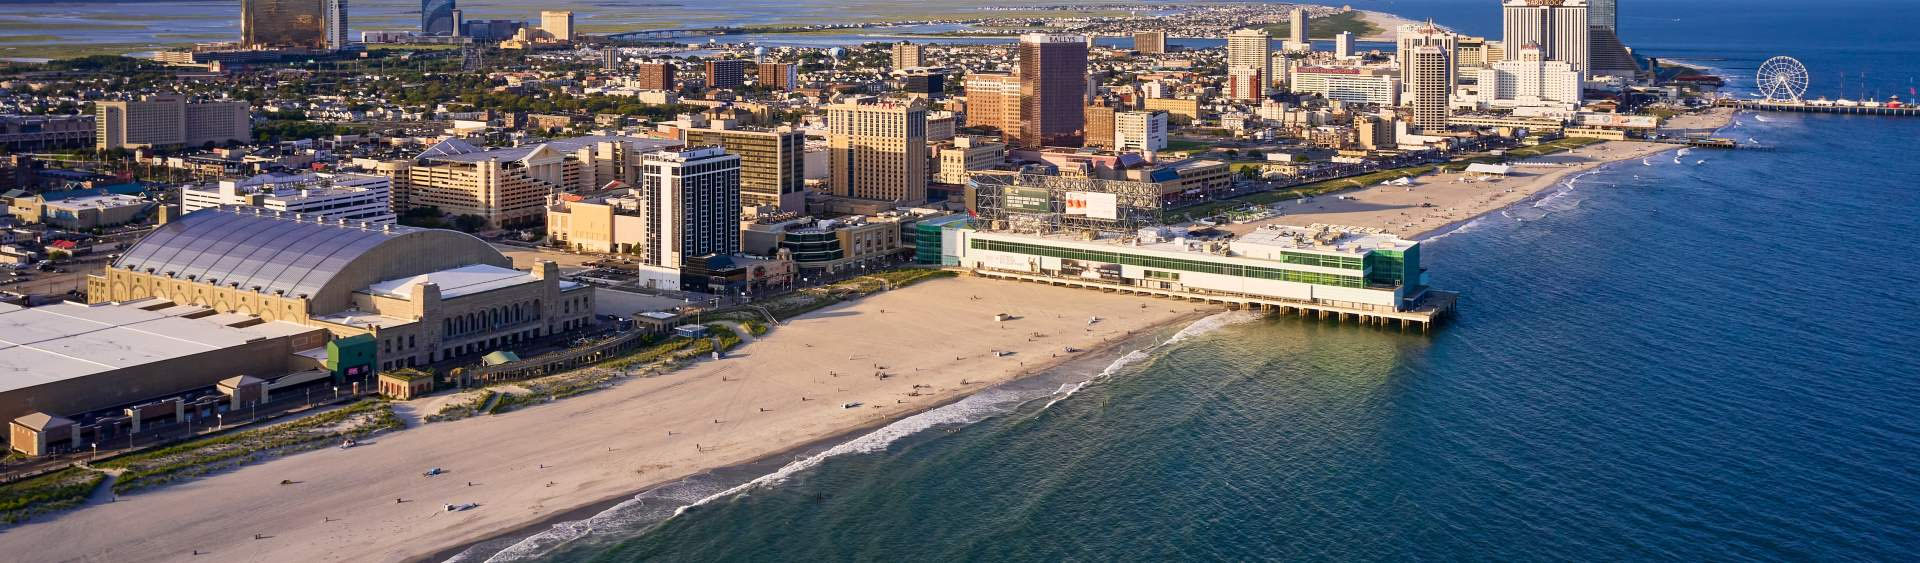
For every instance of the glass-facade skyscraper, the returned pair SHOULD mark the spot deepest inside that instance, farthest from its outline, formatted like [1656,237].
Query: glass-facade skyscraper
[283,24]
[436,17]
[1053,90]
[1604,13]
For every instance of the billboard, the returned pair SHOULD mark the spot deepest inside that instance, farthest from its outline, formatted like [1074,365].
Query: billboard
[1028,200]
[1616,120]
[1095,205]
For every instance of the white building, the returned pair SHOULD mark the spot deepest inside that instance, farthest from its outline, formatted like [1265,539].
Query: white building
[1350,269]
[337,27]
[1530,81]
[1559,27]
[691,204]
[1343,45]
[1243,83]
[1144,131]
[351,197]
[1351,85]
[1271,110]
[1154,89]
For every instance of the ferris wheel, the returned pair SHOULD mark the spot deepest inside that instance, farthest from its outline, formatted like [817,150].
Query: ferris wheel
[1782,79]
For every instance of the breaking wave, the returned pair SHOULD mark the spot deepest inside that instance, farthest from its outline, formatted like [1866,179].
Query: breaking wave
[665,502]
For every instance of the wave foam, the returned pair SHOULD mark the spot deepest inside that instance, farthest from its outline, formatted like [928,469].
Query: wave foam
[637,512]
[1203,326]
[1466,227]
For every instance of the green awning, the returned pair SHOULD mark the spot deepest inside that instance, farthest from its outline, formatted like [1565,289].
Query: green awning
[498,357]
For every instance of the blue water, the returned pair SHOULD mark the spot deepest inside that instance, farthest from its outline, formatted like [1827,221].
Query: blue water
[1709,359]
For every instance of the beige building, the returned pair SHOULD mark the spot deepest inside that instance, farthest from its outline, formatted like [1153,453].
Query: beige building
[425,295]
[609,224]
[878,151]
[1373,132]
[826,245]
[772,162]
[993,100]
[509,186]
[908,55]
[557,25]
[1150,42]
[94,211]
[967,154]
[1192,177]
[1179,110]
[1250,48]
[1099,125]
[169,120]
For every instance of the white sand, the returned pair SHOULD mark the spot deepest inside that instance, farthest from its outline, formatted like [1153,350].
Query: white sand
[1399,210]
[1387,24]
[605,444]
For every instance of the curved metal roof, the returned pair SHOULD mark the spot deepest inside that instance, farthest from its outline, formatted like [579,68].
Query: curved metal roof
[246,249]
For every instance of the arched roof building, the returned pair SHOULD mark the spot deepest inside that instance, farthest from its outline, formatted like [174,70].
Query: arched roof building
[424,295]
[283,255]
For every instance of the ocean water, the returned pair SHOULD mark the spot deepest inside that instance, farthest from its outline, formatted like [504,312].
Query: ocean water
[1708,360]
[1705,355]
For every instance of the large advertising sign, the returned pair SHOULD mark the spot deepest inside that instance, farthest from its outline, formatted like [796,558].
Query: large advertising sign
[1617,120]
[1028,200]
[1093,204]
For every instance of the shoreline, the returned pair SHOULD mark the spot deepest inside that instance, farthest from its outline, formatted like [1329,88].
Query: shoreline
[1388,24]
[1107,352]
[768,399]
[1439,202]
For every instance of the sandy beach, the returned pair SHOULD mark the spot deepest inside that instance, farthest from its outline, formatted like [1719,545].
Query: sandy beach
[935,342]
[1401,209]
[1387,24]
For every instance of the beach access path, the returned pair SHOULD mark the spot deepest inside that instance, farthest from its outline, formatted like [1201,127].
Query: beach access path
[789,388]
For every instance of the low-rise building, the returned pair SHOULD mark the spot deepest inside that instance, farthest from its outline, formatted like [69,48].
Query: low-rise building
[830,245]
[1343,268]
[94,211]
[25,133]
[68,359]
[326,197]
[170,121]
[1349,84]
[610,223]
[1179,110]
[81,209]
[968,153]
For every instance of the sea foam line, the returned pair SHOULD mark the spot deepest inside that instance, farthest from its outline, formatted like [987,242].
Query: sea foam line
[971,409]
[1211,323]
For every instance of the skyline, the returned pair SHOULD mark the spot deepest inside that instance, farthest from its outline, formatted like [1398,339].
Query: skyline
[522,282]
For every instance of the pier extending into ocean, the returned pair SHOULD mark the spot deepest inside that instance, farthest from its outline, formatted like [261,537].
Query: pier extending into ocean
[1855,108]
[1433,307]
